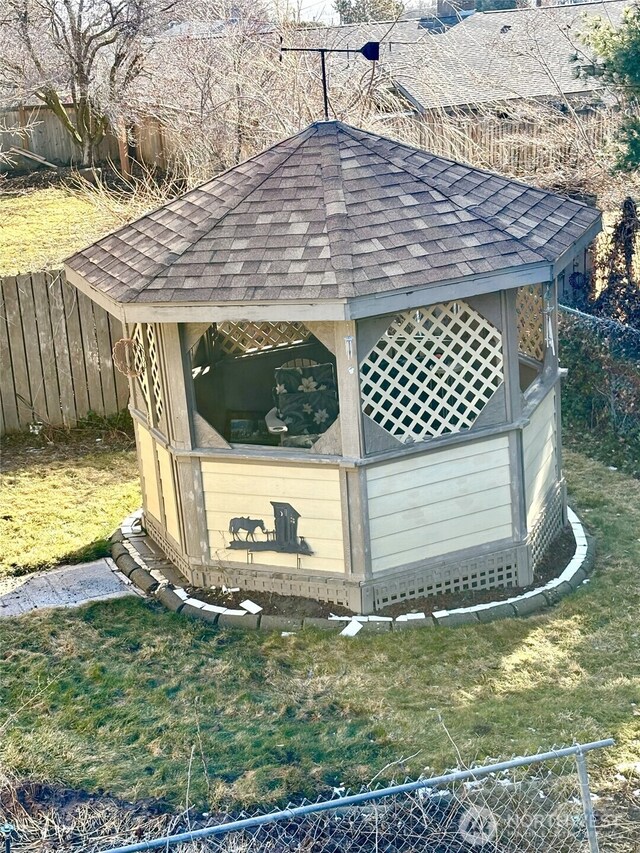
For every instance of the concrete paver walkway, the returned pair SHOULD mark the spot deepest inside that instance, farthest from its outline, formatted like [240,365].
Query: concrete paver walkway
[68,586]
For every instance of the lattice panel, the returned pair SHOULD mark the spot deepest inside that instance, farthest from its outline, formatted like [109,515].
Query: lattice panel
[140,364]
[155,371]
[530,318]
[547,526]
[488,571]
[432,372]
[243,338]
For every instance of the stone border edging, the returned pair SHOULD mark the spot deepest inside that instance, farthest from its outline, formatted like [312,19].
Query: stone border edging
[134,571]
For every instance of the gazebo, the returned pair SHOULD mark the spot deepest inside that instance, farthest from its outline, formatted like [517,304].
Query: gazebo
[345,380]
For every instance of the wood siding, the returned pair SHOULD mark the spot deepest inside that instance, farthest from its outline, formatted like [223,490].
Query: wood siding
[157,474]
[540,457]
[55,354]
[445,501]
[168,492]
[246,489]
[149,473]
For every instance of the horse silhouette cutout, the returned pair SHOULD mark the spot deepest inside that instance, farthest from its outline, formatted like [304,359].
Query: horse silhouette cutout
[250,525]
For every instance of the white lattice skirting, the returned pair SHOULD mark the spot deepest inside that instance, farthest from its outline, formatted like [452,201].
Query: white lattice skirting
[243,338]
[548,524]
[488,571]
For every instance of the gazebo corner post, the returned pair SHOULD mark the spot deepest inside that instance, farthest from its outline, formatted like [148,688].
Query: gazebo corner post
[348,377]
[179,401]
[193,512]
[513,394]
[357,556]
[555,316]
[174,363]
[514,408]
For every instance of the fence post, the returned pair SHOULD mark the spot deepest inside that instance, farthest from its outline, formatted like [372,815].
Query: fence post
[587,805]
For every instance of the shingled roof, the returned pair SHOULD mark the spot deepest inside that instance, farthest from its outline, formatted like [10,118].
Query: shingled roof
[332,213]
[513,54]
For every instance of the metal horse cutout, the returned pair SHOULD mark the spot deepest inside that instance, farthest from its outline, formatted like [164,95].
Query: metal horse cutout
[248,524]
[284,537]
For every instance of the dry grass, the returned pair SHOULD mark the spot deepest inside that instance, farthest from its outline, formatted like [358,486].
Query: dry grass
[41,227]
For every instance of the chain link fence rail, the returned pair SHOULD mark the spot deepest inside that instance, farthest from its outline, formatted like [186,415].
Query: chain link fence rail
[534,804]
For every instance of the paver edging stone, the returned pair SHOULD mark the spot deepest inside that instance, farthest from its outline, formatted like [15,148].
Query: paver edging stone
[322,624]
[198,613]
[168,597]
[412,624]
[280,623]
[453,618]
[574,575]
[229,620]
[529,605]
[500,610]
[142,578]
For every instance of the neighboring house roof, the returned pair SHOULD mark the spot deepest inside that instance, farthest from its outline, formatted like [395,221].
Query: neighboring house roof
[330,214]
[496,56]
[353,36]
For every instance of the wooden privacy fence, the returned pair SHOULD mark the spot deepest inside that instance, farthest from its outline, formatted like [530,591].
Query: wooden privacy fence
[37,129]
[55,354]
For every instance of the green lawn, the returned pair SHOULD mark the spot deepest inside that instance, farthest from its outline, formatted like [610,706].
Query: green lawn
[62,498]
[114,696]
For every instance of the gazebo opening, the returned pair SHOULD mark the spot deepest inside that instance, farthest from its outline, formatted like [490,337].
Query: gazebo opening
[269,384]
[530,315]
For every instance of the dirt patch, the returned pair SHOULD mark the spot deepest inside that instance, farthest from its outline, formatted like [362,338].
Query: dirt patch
[53,818]
[272,603]
[555,559]
[49,818]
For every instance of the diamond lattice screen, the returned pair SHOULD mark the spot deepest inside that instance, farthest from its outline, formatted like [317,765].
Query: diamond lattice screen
[243,338]
[432,372]
[530,314]
[155,370]
[140,364]
[147,349]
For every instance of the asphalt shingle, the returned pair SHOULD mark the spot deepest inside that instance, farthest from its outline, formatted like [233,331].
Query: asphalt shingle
[332,211]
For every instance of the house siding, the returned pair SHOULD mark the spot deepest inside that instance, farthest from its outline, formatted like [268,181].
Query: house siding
[148,473]
[246,489]
[446,501]
[158,483]
[540,457]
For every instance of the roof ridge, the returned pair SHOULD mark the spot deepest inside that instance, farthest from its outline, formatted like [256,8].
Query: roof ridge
[444,159]
[567,5]
[441,188]
[300,138]
[339,228]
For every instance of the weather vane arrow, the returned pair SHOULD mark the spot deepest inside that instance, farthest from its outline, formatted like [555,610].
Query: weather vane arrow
[370,51]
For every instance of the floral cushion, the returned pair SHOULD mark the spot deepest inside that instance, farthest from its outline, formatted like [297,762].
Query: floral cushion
[306,398]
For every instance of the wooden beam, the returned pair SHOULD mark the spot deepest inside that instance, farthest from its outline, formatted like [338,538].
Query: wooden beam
[416,297]
[348,379]
[173,373]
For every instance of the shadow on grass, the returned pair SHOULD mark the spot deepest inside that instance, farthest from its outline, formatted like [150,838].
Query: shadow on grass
[116,696]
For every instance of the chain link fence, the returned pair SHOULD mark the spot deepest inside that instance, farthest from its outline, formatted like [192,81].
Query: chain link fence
[601,394]
[537,804]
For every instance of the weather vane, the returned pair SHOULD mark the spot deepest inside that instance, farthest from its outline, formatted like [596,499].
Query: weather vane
[370,51]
